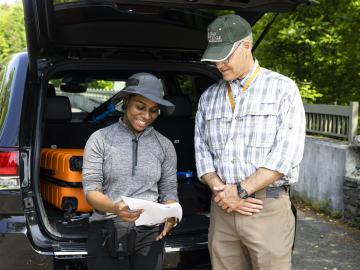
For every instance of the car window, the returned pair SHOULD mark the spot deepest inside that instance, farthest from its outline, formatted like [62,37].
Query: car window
[193,86]
[95,94]
[6,79]
[57,2]
[3,94]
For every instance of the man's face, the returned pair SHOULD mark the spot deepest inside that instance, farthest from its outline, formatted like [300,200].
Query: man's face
[237,64]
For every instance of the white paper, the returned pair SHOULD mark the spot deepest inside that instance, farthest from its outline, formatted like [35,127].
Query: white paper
[154,213]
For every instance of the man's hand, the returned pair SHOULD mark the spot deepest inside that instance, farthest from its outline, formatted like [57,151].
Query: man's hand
[217,189]
[248,206]
[228,199]
[226,196]
[169,223]
[123,212]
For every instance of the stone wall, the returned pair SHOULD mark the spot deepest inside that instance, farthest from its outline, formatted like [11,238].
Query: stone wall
[323,169]
[352,200]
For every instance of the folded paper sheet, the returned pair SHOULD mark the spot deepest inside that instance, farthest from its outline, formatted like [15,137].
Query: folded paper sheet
[154,213]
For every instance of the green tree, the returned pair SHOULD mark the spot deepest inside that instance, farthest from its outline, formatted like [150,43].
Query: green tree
[317,46]
[12,31]
[101,84]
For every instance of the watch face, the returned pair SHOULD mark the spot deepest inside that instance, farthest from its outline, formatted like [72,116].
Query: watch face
[243,194]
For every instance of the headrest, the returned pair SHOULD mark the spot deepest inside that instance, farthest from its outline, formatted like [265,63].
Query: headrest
[183,106]
[51,90]
[203,83]
[58,109]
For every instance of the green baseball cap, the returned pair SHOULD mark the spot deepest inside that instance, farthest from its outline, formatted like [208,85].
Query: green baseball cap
[223,33]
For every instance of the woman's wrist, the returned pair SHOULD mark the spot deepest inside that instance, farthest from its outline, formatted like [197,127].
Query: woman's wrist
[117,206]
[114,208]
[169,201]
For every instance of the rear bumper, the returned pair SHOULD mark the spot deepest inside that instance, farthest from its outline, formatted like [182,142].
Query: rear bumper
[16,252]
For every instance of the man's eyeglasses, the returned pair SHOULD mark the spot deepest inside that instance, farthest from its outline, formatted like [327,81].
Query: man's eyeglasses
[227,60]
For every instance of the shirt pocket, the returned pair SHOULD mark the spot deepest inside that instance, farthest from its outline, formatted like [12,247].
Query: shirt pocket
[260,125]
[216,130]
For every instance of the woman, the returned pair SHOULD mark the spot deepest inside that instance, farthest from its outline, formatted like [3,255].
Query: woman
[130,159]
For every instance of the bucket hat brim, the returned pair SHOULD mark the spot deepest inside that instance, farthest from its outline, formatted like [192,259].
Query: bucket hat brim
[164,104]
[218,53]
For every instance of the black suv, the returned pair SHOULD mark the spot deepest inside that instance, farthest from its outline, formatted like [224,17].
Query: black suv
[75,47]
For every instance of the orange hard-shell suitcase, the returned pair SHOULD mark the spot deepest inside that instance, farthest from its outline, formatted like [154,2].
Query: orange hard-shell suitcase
[62,164]
[61,179]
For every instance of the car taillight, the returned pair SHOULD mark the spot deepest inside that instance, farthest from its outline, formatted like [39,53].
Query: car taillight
[9,169]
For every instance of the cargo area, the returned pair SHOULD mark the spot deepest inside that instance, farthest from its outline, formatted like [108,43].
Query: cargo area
[74,110]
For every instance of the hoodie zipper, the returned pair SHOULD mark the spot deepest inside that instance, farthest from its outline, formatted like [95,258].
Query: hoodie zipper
[135,144]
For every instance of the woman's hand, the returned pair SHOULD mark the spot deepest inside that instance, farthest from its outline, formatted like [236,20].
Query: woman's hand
[123,212]
[169,223]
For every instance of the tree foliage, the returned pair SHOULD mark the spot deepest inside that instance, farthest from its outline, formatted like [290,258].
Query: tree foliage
[318,46]
[12,31]
[106,85]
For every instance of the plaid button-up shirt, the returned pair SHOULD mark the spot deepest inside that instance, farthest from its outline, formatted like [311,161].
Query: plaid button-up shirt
[266,129]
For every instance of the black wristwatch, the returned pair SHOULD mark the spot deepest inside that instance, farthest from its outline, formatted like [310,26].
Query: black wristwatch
[243,194]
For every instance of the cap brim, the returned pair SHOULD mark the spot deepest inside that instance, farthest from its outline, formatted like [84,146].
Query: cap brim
[217,53]
[164,104]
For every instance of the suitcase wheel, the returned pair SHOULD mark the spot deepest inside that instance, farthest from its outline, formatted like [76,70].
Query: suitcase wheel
[69,205]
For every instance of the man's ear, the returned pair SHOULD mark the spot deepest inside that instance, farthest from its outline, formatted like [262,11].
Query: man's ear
[247,45]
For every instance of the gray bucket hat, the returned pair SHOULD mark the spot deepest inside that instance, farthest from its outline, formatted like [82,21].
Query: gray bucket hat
[149,86]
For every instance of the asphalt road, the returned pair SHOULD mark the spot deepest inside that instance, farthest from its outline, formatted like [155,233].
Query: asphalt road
[325,244]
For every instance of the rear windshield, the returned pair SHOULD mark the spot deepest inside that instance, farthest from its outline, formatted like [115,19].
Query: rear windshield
[96,93]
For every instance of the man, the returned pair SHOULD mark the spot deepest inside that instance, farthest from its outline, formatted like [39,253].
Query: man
[249,141]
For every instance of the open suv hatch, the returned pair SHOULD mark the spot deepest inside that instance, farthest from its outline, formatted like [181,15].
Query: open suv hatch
[55,95]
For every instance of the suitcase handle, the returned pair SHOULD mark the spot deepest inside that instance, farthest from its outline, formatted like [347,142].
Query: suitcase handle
[76,163]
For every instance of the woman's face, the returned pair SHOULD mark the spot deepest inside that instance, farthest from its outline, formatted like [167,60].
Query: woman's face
[140,112]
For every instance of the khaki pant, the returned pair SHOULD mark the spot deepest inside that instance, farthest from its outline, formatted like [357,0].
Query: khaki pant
[262,241]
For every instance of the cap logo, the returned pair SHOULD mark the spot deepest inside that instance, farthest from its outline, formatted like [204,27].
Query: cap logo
[132,82]
[214,38]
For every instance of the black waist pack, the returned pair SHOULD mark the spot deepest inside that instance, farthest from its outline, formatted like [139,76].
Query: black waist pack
[120,237]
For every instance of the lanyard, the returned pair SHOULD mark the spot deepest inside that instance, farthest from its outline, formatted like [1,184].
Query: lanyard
[246,86]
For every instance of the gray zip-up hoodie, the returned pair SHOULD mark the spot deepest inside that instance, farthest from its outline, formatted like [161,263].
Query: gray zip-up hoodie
[118,162]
